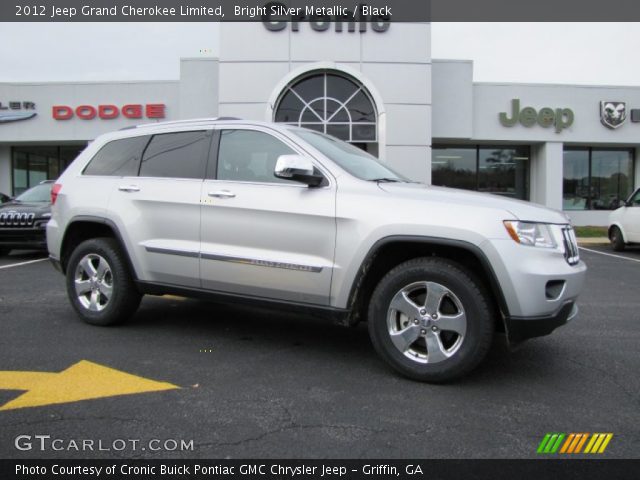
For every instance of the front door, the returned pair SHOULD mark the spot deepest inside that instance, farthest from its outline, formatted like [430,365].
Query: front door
[263,236]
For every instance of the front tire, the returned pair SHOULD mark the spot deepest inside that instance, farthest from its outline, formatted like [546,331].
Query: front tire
[4,252]
[430,320]
[99,283]
[617,241]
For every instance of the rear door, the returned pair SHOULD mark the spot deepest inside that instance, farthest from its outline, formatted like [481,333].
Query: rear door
[159,208]
[263,236]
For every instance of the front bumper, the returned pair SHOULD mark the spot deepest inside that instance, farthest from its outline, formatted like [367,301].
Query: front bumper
[519,329]
[23,238]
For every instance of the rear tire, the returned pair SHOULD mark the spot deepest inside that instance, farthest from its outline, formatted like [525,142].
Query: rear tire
[99,283]
[617,242]
[430,320]
[4,252]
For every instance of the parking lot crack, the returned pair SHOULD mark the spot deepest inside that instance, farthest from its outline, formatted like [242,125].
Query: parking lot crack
[289,427]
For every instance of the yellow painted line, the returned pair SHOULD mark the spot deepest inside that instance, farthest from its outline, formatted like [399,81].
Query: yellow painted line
[22,380]
[174,297]
[567,443]
[594,437]
[605,443]
[82,381]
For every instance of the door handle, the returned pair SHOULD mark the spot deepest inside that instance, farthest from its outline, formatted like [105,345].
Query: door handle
[222,194]
[129,188]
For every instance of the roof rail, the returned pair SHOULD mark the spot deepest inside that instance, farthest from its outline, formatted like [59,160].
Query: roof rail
[180,122]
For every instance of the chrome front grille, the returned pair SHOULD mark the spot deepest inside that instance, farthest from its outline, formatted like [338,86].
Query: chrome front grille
[16,219]
[571,253]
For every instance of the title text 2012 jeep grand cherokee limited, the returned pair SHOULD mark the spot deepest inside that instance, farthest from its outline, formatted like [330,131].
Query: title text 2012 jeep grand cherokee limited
[271,213]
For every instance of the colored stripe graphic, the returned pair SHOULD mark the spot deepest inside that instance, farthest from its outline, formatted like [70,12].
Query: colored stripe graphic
[572,443]
[543,443]
[583,439]
[565,447]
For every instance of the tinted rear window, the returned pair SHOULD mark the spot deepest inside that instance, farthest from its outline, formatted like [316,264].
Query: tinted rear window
[176,155]
[119,158]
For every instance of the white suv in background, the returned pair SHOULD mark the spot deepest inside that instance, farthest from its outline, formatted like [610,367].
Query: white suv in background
[278,215]
[624,223]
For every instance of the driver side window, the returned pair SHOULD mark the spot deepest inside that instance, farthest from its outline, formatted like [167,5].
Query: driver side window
[635,199]
[249,156]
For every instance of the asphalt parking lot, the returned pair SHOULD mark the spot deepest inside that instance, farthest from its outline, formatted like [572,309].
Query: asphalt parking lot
[263,384]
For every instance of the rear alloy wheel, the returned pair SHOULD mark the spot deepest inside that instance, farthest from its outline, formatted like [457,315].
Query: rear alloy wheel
[430,320]
[99,283]
[617,242]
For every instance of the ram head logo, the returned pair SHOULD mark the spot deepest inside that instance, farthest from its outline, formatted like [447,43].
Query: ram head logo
[613,114]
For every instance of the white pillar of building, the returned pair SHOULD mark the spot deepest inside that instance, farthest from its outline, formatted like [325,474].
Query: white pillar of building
[546,175]
[198,87]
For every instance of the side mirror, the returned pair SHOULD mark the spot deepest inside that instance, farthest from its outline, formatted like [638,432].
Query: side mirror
[297,168]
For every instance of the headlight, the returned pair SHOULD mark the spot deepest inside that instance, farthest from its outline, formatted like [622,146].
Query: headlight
[530,233]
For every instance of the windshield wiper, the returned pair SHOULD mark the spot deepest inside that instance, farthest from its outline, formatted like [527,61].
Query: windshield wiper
[386,180]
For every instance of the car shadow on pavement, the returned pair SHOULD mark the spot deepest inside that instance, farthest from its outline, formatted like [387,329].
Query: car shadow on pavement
[268,334]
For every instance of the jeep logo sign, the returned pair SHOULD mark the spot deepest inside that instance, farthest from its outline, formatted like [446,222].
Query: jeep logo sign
[560,118]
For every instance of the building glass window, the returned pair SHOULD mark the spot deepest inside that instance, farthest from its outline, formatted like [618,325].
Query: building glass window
[32,164]
[332,103]
[596,178]
[502,170]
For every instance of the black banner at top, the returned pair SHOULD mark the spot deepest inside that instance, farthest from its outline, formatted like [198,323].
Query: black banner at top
[319,11]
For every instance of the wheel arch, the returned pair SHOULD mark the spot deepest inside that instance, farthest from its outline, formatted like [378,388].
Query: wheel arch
[85,227]
[390,251]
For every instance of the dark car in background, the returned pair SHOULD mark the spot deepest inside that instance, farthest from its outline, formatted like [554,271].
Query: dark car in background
[4,198]
[23,220]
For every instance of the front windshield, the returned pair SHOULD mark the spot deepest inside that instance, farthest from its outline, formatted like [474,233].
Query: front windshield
[39,193]
[355,161]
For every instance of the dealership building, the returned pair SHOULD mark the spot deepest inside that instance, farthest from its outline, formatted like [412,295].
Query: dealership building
[573,148]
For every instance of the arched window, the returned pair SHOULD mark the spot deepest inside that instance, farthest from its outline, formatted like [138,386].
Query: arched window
[332,103]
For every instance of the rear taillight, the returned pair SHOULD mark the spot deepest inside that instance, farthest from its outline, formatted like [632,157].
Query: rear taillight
[54,192]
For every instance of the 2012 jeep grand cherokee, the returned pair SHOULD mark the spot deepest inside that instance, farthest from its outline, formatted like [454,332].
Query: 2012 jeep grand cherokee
[271,213]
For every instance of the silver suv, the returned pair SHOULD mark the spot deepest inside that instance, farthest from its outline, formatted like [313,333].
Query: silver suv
[274,214]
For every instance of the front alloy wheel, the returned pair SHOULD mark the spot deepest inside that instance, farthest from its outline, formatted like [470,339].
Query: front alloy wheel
[427,322]
[431,319]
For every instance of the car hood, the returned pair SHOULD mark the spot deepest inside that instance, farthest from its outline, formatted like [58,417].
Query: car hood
[518,209]
[21,207]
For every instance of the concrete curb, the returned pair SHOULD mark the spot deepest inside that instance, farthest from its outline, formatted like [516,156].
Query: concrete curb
[591,241]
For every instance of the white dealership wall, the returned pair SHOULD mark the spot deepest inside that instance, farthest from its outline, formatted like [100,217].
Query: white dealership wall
[467,112]
[256,64]
[395,65]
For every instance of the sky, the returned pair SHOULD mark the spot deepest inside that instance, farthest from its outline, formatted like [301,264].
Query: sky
[579,53]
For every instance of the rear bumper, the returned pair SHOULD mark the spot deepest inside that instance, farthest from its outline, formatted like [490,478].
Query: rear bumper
[522,328]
